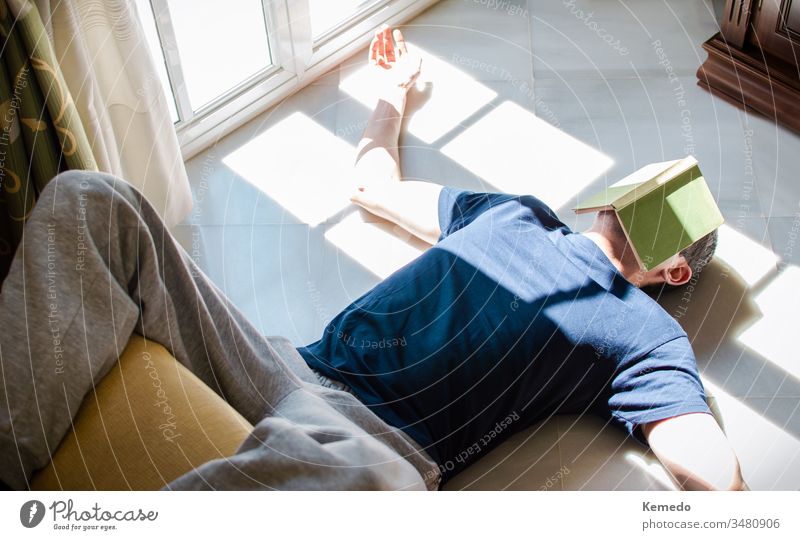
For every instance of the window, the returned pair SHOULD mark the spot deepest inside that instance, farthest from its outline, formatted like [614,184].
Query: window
[326,15]
[221,63]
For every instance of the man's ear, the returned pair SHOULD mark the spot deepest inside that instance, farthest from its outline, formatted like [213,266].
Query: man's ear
[678,273]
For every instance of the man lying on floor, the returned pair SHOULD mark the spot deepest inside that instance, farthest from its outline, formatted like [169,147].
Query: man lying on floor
[508,319]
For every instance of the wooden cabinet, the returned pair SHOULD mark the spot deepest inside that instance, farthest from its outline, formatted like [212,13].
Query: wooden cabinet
[755,58]
[777,29]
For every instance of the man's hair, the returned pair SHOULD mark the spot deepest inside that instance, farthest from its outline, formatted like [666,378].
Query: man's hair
[701,252]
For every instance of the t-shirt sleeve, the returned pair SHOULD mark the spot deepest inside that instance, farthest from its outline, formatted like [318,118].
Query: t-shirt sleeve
[662,384]
[458,208]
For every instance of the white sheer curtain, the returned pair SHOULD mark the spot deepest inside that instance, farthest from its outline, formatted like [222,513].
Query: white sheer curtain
[102,52]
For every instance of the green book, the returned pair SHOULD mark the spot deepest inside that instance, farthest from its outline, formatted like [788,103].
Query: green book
[663,209]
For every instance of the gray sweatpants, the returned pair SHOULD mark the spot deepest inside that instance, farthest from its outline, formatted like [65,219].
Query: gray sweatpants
[97,264]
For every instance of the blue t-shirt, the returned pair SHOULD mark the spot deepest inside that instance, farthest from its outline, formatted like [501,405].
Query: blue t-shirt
[510,318]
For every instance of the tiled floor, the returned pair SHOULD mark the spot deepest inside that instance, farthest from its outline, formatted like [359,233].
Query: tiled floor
[551,98]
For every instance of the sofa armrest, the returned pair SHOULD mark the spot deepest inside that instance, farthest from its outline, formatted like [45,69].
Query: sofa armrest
[149,421]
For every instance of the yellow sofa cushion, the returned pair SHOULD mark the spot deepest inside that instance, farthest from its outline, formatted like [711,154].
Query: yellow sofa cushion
[149,421]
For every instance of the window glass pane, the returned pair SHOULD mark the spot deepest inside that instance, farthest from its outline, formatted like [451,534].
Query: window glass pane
[151,35]
[327,14]
[220,44]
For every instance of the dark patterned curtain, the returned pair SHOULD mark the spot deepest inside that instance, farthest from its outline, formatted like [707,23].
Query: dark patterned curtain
[40,131]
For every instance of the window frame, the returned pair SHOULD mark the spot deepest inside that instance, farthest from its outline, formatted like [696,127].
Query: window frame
[297,60]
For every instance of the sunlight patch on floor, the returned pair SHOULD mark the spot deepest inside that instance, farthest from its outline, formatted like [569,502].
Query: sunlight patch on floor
[379,247]
[774,335]
[745,256]
[454,96]
[301,165]
[516,152]
[769,456]
[652,469]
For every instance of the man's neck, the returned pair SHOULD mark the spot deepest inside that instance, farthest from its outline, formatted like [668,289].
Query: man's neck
[607,233]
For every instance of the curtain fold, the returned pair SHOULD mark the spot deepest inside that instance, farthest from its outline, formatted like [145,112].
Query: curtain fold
[109,69]
[79,90]
[40,132]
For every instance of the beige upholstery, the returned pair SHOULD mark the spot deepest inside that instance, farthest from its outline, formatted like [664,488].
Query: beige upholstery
[148,422]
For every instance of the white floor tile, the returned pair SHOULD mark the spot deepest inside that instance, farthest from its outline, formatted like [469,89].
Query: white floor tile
[611,38]
[602,457]
[485,43]
[782,412]
[785,235]
[528,460]
[272,273]
[776,160]
[236,181]
[764,437]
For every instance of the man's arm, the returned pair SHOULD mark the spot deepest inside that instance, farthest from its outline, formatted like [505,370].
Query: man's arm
[412,205]
[695,451]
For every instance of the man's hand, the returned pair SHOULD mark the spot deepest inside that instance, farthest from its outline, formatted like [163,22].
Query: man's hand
[394,64]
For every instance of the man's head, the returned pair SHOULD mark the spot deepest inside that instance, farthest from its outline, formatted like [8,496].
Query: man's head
[607,233]
[679,269]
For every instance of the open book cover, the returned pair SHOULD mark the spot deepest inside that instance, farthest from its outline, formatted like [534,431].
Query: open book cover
[663,209]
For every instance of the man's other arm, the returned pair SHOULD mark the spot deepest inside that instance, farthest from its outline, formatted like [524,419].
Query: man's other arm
[695,451]
[411,204]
